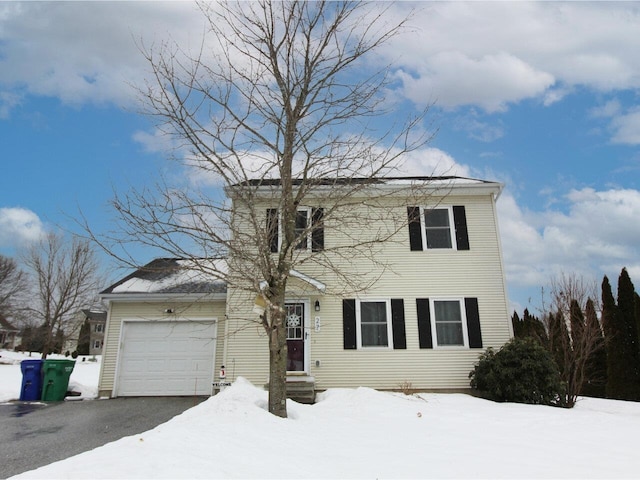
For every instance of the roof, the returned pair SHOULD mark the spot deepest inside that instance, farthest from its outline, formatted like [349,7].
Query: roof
[94,314]
[172,276]
[451,179]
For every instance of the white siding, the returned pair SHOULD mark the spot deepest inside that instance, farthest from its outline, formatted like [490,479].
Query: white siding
[119,311]
[477,273]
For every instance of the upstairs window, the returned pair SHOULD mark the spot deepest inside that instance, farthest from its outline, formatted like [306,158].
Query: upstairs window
[309,220]
[438,228]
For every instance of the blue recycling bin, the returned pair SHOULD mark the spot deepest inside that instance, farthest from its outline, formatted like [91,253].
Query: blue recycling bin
[31,380]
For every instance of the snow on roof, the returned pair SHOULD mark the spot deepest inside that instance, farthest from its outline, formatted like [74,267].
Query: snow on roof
[169,275]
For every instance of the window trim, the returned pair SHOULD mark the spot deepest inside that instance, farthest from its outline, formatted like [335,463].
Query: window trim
[308,228]
[463,320]
[314,236]
[387,302]
[423,227]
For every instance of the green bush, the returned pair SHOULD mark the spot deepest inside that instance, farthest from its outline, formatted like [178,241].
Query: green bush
[521,371]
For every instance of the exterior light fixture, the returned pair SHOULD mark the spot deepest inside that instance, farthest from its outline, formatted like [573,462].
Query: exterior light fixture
[317,306]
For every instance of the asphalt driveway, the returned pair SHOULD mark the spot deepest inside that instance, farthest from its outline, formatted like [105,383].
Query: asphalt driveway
[33,434]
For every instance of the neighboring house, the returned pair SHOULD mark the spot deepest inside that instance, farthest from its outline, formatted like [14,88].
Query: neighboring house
[422,324]
[97,319]
[8,334]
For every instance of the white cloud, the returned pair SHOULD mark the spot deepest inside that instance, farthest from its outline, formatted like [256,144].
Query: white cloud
[85,52]
[492,81]
[491,54]
[599,234]
[432,161]
[19,225]
[609,109]
[488,54]
[627,128]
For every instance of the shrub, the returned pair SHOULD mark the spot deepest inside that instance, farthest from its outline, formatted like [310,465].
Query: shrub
[521,371]
[74,354]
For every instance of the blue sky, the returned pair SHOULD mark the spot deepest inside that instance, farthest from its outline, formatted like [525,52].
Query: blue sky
[541,96]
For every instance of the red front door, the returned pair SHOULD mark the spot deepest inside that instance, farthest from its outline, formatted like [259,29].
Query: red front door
[295,336]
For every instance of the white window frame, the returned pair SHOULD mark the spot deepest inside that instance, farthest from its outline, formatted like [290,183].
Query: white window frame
[99,328]
[309,229]
[387,302]
[463,317]
[308,210]
[452,228]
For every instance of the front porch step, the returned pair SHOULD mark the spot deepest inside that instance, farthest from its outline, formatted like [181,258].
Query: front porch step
[301,390]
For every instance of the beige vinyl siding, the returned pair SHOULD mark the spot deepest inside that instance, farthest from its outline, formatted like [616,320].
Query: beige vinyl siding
[445,274]
[128,310]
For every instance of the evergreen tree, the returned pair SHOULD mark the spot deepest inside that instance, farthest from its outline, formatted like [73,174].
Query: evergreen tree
[637,312]
[535,329]
[615,372]
[627,321]
[559,342]
[84,338]
[621,373]
[595,380]
[529,327]
[517,325]
[577,349]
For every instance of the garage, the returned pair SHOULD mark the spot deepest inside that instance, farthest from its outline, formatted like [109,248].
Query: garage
[166,358]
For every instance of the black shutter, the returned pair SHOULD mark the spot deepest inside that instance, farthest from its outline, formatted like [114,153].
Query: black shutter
[424,323]
[397,324]
[272,229]
[317,234]
[349,323]
[460,222]
[415,230]
[473,322]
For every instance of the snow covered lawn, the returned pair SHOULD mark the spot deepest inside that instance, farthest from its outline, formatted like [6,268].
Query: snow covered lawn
[84,378]
[362,433]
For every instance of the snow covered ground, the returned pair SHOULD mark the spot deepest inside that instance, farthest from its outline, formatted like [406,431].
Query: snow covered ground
[362,433]
[84,378]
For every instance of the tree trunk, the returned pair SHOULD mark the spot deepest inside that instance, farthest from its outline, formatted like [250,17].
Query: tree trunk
[278,364]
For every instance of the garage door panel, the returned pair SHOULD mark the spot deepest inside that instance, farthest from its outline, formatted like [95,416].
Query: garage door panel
[166,358]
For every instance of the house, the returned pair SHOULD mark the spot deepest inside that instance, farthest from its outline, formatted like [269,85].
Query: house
[97,318]
[429,300]
[8,334]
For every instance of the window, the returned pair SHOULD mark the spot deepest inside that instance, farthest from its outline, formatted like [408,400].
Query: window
[448,323]
[373,323]
[98,328]
[373,318]
[97,344]
[309,228]
[438,228]
[302,224]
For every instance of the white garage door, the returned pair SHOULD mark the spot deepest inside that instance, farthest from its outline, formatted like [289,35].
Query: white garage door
[166,358]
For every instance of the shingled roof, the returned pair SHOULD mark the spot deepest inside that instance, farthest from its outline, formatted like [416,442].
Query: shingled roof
[171,276]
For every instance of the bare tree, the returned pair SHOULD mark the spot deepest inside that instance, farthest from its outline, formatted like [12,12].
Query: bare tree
[64,279]
[574,340]
[12,284]
[278,98]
